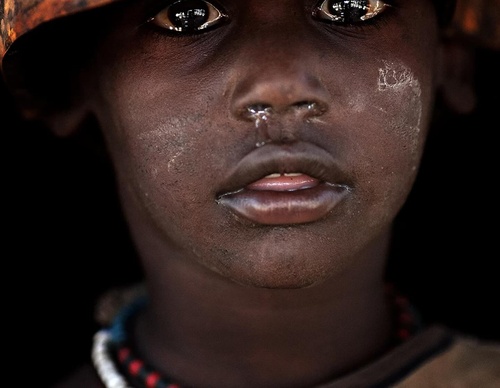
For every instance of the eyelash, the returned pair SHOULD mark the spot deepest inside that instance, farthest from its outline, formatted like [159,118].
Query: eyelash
[318,13]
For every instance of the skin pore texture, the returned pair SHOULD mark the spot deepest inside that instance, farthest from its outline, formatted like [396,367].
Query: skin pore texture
[252,287]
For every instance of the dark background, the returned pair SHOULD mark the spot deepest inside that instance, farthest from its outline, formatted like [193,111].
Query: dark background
[65,241]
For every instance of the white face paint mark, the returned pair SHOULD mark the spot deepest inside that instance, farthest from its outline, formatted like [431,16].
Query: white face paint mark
[169,141]
[402,92]
[397,77]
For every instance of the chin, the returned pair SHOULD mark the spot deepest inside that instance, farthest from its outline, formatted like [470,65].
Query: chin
[280,259]
[283,272]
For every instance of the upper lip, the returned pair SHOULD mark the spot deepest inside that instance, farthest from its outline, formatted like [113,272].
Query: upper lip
[299,157]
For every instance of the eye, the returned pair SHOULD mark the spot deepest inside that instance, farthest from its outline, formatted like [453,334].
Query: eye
[188,16]
[349,11]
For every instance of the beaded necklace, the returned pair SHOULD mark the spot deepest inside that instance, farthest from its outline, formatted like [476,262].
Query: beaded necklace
[118,366]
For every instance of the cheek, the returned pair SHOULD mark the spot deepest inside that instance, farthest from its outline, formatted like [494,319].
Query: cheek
[165,149]
[166,173]
[399,97]
[158,146]
[393,118]
[166,158]
[389,136]
[148,131]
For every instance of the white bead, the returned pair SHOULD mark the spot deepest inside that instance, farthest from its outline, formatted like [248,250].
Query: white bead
[104,364]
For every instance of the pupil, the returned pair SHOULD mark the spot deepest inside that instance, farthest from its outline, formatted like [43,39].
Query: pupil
[348,10]
[189,15]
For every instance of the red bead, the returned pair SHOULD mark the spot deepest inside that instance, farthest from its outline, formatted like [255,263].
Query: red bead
[135,367]
[152,379]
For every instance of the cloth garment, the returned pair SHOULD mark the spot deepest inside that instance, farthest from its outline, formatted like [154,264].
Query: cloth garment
[433,358]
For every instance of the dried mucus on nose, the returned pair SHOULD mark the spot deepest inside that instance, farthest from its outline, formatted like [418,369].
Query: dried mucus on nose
[258,113]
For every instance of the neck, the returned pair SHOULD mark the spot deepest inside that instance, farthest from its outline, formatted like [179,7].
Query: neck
[225,334]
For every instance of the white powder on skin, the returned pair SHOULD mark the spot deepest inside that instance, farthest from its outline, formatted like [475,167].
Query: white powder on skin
[171,140]
[398,83]
[357,103]
[396,77]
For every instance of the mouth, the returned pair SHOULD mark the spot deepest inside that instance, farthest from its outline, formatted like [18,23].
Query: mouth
[280,185]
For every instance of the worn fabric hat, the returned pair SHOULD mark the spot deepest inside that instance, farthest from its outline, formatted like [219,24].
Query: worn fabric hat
[18,17]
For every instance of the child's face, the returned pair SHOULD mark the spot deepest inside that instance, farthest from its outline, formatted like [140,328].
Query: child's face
[272,88]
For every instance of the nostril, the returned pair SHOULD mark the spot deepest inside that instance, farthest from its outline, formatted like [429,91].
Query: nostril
[309,108]
[304,104]
[258,107]
[257,112]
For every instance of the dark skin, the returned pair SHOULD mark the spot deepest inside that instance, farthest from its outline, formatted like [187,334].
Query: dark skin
[265,287]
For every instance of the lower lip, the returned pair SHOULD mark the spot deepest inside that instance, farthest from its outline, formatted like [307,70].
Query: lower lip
[285,207]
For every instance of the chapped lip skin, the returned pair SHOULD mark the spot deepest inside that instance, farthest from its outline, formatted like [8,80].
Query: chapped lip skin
[280,185]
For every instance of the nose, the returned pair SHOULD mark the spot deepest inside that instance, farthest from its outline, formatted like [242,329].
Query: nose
[281,89]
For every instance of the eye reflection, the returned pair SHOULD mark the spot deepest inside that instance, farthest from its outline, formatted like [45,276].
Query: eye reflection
[188,16]
[349,11]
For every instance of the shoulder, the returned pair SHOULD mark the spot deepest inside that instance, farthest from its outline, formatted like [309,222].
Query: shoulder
[83,377]
[467,362]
